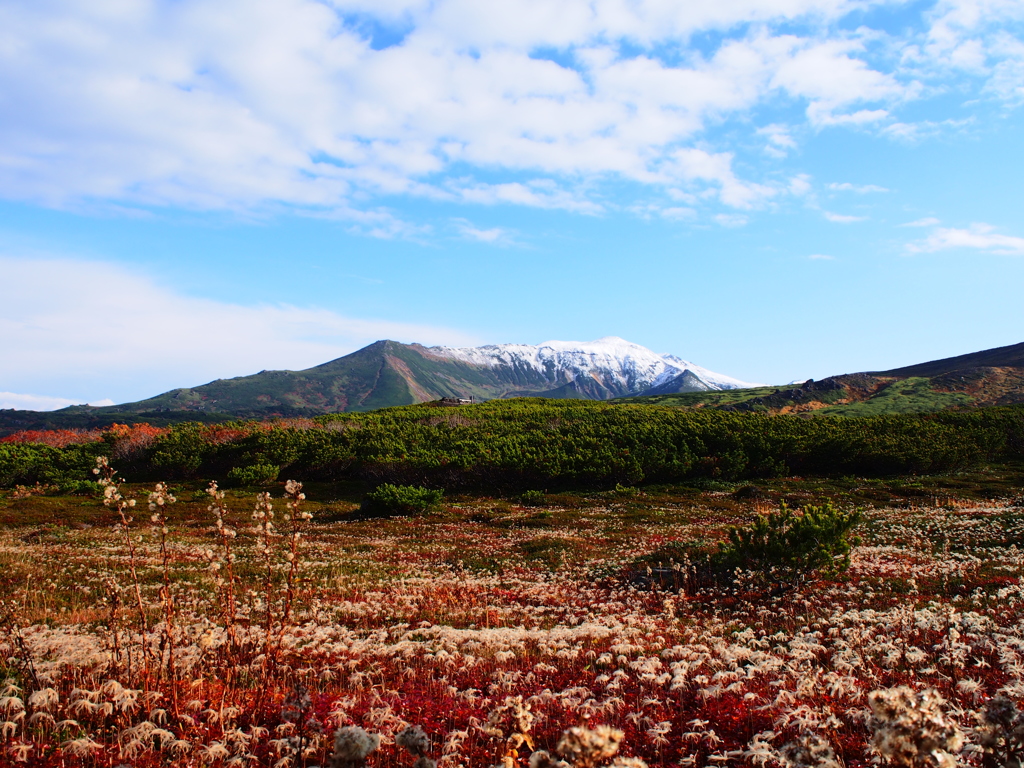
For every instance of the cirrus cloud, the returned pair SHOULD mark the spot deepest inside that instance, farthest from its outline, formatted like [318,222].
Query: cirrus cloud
[978,236]
[860,189]
[841,218]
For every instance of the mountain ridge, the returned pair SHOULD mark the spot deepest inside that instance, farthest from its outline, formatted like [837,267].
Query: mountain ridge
[389,373]
[1010,356]
[977,379]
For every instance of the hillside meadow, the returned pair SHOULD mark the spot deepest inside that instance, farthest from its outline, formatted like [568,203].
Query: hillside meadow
[176,623]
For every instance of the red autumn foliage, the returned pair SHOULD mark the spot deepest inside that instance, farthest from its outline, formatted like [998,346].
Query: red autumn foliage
[58,438]
[130,440]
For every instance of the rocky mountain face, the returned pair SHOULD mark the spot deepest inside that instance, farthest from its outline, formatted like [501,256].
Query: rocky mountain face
[603,369]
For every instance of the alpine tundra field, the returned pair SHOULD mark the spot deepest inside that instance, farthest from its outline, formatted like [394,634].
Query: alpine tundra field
[728,616]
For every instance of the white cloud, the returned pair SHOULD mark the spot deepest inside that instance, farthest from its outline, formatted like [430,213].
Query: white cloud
[978,236]
[99,327]
[492,236]
[526,23]
[860,189]
[24,402]
[839,218]
[912,132]
[800,186]
[699,165]
[678,213]
[978,39]
[821,257]
[830,76]
[650,211]
[540,193]
[779,139]
[255,104]
[969,34]
[1007,80]
[731,219]
[823,116]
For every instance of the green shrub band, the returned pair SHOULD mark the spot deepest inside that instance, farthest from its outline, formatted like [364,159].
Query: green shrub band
[523,444]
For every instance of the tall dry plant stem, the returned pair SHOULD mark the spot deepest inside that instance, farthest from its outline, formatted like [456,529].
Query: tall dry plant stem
[9,621]
[295,517]
[263,516]
[114,596]
[114,499]
[228,585]
[159,500]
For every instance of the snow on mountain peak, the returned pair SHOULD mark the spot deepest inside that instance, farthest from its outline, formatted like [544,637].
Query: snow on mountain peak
[618,364]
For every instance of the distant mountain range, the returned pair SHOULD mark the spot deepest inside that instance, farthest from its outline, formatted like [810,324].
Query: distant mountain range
[992,377]
[388,373]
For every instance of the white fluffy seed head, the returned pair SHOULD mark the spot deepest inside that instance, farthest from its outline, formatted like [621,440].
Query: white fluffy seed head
[911,729]
[352,743]
[586,747]
[414,739]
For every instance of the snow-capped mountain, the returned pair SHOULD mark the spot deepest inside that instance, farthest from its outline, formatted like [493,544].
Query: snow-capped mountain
[607,367]
[388,373]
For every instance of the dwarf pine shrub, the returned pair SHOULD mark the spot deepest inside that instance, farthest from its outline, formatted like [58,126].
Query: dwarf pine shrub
[778,549]
[391,499]
[533,498]
[784,546]
[254,474]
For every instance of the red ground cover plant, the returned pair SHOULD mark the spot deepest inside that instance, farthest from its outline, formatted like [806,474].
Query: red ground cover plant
[265,638]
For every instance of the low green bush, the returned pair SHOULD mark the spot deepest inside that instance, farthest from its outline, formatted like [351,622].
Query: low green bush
[254,474]
[29,463]
[533,499]
[80,487]
[783,546]
[391,499]
[779,550]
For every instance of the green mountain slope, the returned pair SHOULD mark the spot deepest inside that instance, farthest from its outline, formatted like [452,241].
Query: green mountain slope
[999,357]
[384,374]
[991,377]
[388,373]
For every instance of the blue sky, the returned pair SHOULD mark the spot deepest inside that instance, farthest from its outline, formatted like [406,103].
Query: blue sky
[772,189]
